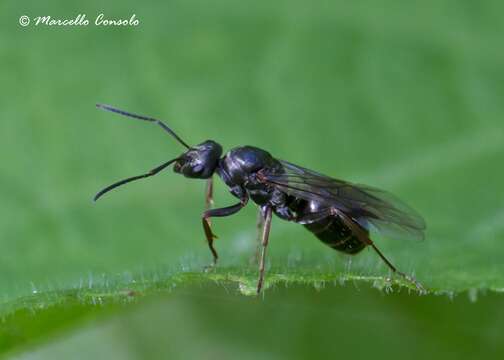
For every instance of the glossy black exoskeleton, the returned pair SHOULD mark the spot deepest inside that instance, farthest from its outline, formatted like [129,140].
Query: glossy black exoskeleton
[339,213]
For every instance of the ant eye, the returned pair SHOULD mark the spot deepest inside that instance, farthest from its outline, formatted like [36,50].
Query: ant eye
[197,169]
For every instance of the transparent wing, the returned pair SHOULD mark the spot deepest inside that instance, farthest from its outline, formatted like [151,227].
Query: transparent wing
[370,207]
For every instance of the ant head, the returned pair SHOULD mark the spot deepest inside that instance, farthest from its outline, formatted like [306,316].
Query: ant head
[200,161]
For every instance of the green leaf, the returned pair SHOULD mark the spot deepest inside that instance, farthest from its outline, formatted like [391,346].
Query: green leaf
[200,319]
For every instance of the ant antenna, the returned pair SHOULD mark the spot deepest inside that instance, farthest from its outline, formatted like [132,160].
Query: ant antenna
[145,118]
[133,178]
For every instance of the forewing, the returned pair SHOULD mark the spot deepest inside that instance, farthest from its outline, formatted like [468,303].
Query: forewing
[368,206]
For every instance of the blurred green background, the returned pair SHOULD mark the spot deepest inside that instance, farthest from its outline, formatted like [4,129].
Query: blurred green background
[400,95]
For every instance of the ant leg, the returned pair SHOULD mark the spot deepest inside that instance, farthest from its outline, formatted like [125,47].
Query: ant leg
[259,226]
[227,211]
[209,198]
[209,194]
[264,243]
[411,279]
[364,237]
